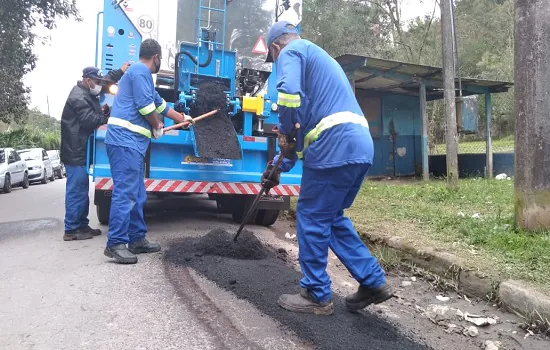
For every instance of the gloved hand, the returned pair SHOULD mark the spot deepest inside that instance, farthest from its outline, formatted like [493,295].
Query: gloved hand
[187,118]
[287,145]
[270,182]
[106,109]
[157,133]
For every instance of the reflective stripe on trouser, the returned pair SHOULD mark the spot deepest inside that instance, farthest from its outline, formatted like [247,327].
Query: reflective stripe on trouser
[132,127]
[324,194]
[126,221]
[329,122]
[77,201]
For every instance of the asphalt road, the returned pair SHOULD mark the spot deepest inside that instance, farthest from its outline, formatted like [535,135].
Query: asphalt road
[68,295]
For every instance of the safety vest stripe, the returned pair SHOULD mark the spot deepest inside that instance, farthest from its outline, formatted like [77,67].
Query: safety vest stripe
[148,109]
[132,127]
[162,107]
[290,97]
[288,103]
[329,122]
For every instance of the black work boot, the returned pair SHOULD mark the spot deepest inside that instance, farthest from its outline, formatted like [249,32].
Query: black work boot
[142,245]
[121,253]
[304,303]
[93,231]
[76,235]
[366,296]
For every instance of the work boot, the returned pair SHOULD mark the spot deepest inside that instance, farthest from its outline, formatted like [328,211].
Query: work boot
[121,253]
[304,303]
[76,235]
[93,231]
[142,245]
[366,296]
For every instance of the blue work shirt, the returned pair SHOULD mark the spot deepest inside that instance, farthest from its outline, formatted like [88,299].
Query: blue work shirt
[311,87]
[135,99]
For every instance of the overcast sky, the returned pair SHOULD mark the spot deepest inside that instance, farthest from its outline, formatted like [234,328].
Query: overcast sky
[72,47]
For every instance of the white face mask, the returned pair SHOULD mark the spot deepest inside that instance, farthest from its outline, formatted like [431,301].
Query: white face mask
[96,90]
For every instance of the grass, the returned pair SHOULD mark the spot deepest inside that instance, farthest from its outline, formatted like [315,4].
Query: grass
[474,222]
[503,145]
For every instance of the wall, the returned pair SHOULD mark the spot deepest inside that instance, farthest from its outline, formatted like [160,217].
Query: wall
[394,122]
[470,165]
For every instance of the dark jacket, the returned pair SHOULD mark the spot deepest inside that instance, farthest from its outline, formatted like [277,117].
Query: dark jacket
[81,116]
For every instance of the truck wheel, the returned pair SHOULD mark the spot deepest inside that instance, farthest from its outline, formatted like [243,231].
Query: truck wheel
[103,212]
[267,217]
[240,209]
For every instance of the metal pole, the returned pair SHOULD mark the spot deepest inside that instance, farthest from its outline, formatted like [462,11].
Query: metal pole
[424,124]
[449,87]
[488,138]
[532,154]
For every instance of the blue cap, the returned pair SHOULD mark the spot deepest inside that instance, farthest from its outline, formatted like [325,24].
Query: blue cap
[92,72]
[276,31]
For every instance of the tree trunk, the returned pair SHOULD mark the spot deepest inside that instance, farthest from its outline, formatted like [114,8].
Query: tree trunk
[532,87]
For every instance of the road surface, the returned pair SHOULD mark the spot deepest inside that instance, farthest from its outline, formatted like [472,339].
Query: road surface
[68,295]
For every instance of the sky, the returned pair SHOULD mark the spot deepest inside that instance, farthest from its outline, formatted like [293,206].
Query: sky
[71,47]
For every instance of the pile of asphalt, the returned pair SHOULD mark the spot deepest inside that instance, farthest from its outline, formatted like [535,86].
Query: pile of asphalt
[260,275]
[215,136]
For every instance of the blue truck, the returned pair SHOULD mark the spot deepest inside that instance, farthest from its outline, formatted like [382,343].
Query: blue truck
[203,40]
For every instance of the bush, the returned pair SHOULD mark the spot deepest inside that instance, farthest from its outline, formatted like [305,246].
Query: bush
[29,137]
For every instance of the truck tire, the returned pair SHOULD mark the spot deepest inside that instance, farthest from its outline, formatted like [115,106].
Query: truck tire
[103,212]
[240,208]
[267,217]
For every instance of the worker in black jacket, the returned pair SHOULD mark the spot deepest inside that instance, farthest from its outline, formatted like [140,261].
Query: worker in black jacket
[82,114]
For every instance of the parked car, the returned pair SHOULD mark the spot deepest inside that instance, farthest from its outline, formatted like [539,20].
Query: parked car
[57,165]
[39,165]
[13,170]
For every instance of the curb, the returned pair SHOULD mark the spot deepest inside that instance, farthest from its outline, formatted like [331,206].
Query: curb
[513,295]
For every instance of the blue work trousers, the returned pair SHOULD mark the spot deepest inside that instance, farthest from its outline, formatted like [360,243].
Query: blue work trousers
[324,194]
[77,201]
[126,221]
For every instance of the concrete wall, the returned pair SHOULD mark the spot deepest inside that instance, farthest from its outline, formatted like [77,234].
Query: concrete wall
[470,165]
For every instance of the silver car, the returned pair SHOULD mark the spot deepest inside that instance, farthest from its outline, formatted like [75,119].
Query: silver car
[57,165]
[13,170]
[39,165]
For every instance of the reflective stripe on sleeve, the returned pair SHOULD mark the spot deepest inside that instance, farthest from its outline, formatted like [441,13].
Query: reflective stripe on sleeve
[132,127]
[289,100]
[161,108]
[147,109]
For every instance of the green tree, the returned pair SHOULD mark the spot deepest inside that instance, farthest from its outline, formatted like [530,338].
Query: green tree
[17,20]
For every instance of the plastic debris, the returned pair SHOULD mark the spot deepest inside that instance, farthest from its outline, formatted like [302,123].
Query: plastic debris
[502,176]
[478,320]
[406,283]
[471,331]
[492,345]
[461,214]
[288,236]
[476,216]
[442,298]
[413,279]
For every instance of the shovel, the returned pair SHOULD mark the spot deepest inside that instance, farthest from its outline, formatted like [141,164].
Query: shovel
[201,117]
[252,208]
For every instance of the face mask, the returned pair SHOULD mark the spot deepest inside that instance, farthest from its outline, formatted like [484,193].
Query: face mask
[96,90]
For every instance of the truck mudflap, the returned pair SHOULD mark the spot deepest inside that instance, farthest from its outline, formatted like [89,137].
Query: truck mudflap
[181,186]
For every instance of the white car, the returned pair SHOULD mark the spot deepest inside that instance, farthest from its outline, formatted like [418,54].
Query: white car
[13,170]
[57,165]
[39,165]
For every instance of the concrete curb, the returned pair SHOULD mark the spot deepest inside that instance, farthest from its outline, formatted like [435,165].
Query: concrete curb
[513,295]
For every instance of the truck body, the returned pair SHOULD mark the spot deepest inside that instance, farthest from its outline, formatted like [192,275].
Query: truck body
[202,40]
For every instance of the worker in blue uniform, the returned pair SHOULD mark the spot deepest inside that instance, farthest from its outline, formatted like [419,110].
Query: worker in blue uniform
[134,120]
[337,150]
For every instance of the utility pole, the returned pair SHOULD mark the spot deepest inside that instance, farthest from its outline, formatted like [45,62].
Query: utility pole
[449,87]
[48,102]
[532,154]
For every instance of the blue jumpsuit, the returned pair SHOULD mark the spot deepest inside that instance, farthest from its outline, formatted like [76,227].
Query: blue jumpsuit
[128,137]
[335,144]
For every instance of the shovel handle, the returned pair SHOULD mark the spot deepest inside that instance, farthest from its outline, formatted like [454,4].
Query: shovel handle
[200,117]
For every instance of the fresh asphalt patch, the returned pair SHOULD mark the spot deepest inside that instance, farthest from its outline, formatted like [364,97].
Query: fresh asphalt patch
[215,136]
[260,275]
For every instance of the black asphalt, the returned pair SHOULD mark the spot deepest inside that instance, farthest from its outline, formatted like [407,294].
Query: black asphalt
[261,282]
